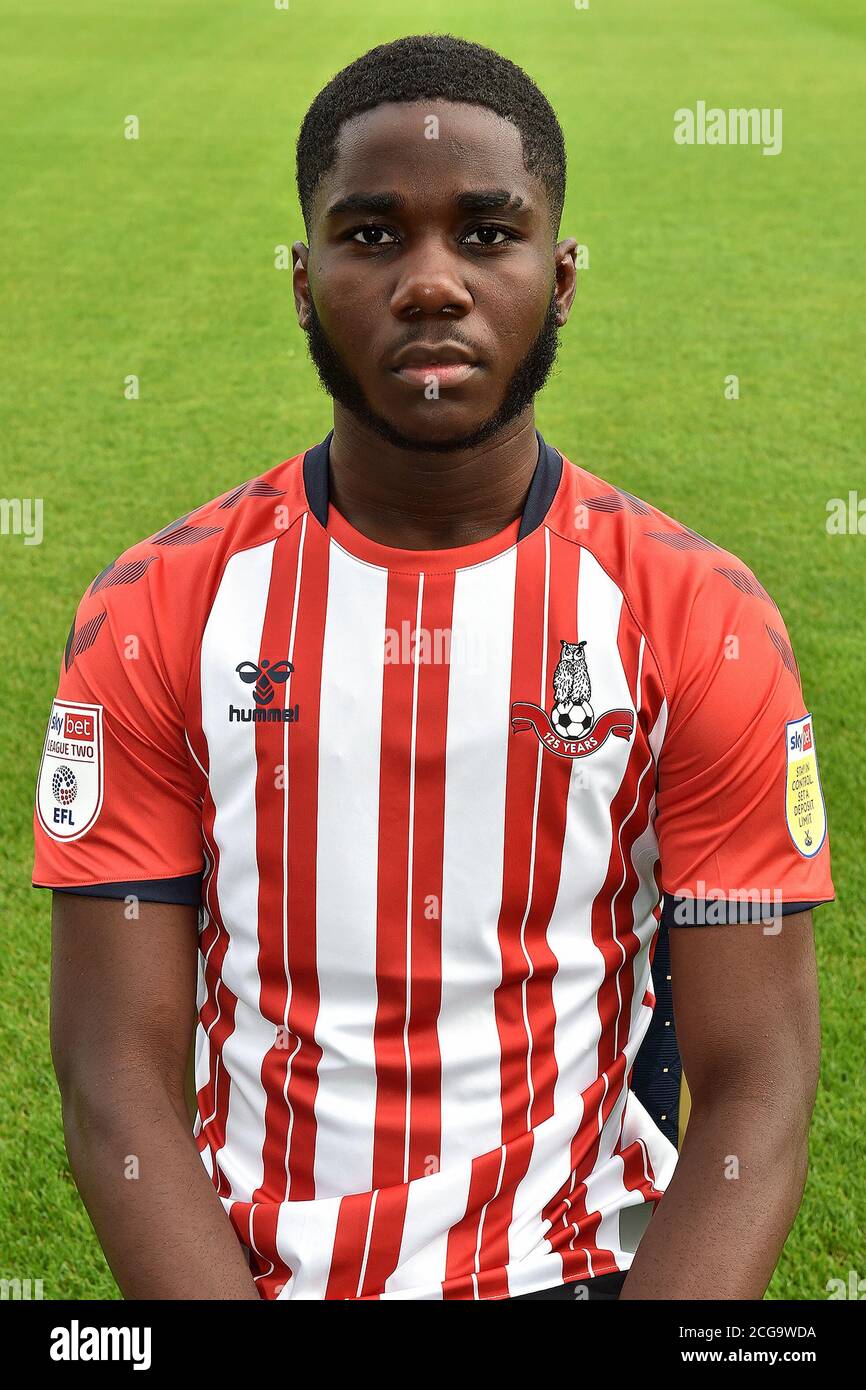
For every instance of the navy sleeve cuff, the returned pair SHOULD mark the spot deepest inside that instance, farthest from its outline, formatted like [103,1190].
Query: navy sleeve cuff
[696,912]
[185,890]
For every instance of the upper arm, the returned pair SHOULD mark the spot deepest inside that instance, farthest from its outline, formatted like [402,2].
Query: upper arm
[118,796]
[746,1006]
[122,990]
[741,823]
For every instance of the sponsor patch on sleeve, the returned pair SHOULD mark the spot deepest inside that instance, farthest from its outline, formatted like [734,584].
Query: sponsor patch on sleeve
[804,799]
[69,789]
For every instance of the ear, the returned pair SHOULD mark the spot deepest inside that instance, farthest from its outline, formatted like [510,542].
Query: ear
[562,641]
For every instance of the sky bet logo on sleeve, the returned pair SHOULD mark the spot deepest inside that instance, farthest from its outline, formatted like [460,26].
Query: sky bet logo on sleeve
[804,799]
[69,789]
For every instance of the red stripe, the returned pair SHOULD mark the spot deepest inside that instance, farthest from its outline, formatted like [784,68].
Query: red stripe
[550,838]
[385,1238]
[613,934]
[461,1257]
[638,1173]
[302,858]
[529,680]
[256,1227]
[271,791]
[398,688]
[290,1072]
[425,1072]
[350,1241]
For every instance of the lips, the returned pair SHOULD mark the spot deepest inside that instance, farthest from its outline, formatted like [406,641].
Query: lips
[447,363]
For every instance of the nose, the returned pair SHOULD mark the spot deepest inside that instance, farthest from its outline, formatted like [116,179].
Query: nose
[430,283]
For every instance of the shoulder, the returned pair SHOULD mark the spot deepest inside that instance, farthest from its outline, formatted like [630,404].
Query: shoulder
[161,588]
[189,548]
[686,592]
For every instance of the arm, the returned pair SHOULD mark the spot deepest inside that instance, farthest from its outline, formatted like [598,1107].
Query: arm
[746,1008]
[122,1002]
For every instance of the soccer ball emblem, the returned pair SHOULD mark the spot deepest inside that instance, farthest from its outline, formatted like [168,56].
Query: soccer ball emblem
[572,720]
[64,785]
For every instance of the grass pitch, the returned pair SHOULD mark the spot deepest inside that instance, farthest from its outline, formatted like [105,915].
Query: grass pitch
[155,257]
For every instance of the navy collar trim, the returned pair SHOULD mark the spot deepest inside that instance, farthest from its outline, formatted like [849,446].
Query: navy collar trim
[542,489]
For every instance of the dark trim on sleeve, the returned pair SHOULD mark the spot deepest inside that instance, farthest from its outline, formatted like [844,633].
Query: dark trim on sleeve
[185,890]
[695,912]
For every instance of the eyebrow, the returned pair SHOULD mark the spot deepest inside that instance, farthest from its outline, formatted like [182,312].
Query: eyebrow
[478,200]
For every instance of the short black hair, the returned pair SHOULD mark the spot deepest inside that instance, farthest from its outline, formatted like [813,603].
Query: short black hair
[435,66]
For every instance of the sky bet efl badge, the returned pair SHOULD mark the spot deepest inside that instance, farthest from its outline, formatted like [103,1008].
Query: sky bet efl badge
[69,791]
[804,799]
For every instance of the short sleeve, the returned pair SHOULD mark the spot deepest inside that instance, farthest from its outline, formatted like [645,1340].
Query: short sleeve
[741,820]
[116,811]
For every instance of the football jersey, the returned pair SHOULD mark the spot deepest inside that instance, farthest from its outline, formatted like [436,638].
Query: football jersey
[439,811]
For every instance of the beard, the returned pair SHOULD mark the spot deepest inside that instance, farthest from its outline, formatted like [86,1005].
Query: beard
[526,381]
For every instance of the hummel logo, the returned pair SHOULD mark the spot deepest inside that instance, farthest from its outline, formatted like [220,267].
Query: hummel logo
[263,675]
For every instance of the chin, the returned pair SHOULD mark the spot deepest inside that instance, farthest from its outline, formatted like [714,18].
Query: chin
[432,429]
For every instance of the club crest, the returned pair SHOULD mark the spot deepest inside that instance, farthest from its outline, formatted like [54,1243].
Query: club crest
[571,729]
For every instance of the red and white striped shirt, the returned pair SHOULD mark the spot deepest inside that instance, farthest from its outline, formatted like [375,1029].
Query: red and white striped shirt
[428,803]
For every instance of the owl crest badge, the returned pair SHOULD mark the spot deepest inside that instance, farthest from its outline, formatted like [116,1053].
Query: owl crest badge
[571,729]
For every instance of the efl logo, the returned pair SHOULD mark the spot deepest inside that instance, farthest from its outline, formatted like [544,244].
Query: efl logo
[78,726]
[70,785]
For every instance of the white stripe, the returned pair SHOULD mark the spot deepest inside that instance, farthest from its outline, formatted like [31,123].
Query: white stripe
[472,870]
[306,1232]
[347,854]
[371,1218]
[233,634]
[192,750]
[252,1229]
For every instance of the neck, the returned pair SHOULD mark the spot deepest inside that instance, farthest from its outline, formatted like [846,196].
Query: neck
[420,500]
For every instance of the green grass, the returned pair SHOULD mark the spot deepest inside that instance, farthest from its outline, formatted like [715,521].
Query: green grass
[155,257]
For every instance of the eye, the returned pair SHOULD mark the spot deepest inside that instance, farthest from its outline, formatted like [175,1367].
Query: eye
[484,232]
[380,236]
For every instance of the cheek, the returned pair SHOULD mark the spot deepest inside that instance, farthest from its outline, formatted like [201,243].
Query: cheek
[339,304]
[341,291]
[514,315]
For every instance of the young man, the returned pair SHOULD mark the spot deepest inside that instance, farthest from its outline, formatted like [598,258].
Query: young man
[427,745]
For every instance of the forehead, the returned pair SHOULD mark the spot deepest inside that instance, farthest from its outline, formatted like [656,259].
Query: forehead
[431,150]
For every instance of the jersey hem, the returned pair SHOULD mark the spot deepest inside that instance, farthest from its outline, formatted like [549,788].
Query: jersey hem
[557,1283]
